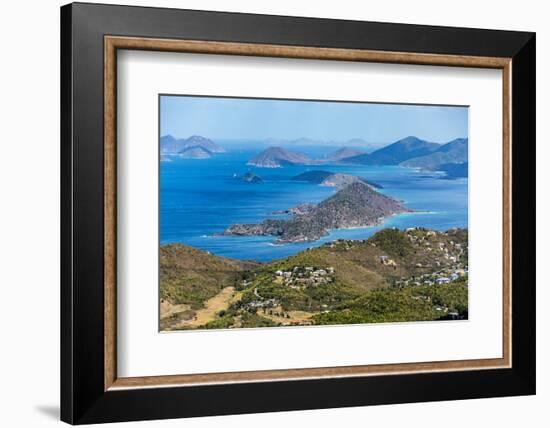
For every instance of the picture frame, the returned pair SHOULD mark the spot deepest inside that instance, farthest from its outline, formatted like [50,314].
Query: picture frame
[91,36]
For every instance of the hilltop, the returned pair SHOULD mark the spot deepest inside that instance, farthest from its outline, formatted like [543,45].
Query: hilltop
[171,145]
[195,152]
[205,143]
[189,277]
[455,151]
[394,154]
[340,180]
[356,205]
[396,275]
[304,141]
[343,153]
[331,179]
[409,152]
[276,157]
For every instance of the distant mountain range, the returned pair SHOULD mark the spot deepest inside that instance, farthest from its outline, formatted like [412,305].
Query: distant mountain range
[354,142]
[171,145]
[394,154]
[409,152]
[276,157]
[455,151]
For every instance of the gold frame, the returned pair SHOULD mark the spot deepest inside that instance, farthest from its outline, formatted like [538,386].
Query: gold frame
[113,43]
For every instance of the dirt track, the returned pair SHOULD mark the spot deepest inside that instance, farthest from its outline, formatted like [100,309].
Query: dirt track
[212,306]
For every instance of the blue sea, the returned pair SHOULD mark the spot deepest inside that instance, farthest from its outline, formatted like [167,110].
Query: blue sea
[199,198]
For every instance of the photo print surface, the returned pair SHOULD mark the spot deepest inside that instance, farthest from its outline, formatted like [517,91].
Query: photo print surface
[280,212]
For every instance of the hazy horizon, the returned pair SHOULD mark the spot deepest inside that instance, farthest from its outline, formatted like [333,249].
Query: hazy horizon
[326,122]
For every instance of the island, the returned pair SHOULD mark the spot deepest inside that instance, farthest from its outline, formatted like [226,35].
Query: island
[393,154]
[195,152]
[455,151]
[250,177]
[410,152]
[277,157]
[356,205]
[343,153]
[331,179]
[171,145]
[205,143]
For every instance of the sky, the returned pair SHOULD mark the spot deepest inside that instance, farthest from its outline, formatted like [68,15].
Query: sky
[259,119]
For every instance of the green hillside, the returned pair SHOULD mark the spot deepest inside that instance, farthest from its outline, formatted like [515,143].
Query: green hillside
[395,276]
[191,276]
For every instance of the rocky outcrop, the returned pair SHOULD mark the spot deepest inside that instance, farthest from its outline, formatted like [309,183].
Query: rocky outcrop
[250,177]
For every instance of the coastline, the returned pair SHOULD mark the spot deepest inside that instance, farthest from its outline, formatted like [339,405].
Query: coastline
[442,202]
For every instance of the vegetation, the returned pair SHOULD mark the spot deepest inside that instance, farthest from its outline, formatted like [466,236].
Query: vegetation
[453,296]
[389,305]
[402,305]
[393,242]
[225,321]
[395,276]
[191,276]
[241,318]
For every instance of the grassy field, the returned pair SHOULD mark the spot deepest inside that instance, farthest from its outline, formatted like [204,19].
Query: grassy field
[200,317]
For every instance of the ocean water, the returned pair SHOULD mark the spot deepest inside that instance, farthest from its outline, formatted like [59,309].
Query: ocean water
[200,198]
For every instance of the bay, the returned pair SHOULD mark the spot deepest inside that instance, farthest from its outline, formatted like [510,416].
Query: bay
[199,198]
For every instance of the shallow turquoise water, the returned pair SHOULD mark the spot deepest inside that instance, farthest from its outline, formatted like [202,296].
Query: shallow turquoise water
[199,198]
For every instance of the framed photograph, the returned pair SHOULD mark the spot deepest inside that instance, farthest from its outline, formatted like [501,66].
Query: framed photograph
[265,213]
